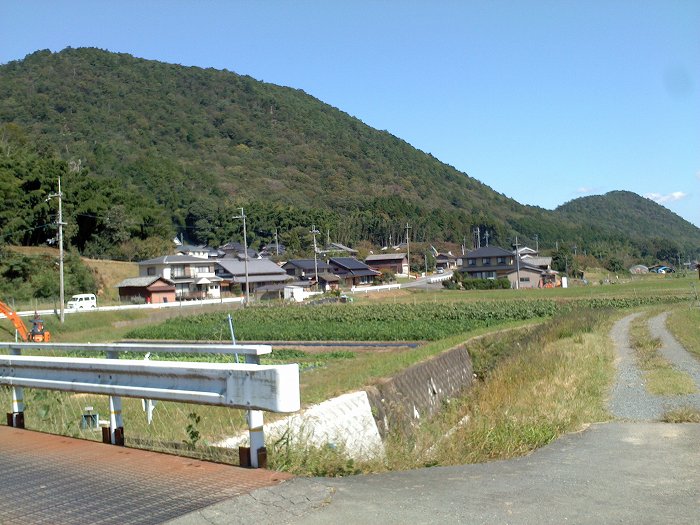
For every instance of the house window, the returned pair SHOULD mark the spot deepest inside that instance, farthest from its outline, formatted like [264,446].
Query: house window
[151,270]
[472,262]
[501,260]
[202,269]
[524,279]
[178,271]
[486,261]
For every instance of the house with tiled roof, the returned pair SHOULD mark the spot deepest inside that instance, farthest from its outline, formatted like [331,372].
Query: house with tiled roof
[493,262]
[154,289]
[395,262]
[262,273]
[194,277]
[352,272]
[306,270]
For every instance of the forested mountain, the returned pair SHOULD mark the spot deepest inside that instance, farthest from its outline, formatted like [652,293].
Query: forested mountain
[626,214]
[149,150]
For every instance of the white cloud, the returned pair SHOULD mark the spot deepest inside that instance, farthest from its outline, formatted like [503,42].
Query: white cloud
[585,190]
[669,197]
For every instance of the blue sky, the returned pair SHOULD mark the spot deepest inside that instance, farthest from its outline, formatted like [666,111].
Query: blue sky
[544,101]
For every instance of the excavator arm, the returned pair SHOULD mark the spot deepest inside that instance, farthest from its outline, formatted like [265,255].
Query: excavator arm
[12,316]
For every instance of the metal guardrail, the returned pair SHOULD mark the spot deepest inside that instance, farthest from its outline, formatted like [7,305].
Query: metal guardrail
[250,351]
[249,385]
[274,388]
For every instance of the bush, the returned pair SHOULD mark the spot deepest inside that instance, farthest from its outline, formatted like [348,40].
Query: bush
[485,284]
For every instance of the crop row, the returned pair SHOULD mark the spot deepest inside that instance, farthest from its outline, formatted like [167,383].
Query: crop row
[370,322]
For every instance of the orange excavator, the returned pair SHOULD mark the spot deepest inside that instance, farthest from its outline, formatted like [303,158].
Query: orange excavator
[38,334]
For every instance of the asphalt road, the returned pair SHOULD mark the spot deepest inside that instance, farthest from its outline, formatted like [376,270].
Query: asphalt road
[637,473]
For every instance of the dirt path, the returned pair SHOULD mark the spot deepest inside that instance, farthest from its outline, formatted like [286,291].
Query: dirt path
[629,398]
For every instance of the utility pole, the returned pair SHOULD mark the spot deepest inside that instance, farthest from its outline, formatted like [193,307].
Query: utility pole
[537,243]
[245,254]
[60,223]
[426,271]
[277,243]
[517,262]
[408,249]
[487,238]
[314,232]
[477,238]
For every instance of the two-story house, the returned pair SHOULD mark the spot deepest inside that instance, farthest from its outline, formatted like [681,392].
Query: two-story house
[194,277]
[492,262]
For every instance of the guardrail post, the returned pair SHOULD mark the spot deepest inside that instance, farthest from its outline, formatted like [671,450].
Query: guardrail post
[116,423]
[16,417]
[257,438]
[258,453]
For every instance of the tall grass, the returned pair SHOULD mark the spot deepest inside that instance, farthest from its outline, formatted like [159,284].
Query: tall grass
[684,323]
[661,378]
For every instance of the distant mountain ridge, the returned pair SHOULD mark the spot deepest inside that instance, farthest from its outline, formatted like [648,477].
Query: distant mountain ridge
[198,143]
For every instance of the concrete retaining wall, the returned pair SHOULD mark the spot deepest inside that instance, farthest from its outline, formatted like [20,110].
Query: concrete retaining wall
[358,421]
[419,391]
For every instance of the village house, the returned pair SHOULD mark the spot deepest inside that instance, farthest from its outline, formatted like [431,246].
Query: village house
[352,272]
[304,271]
[147,289]
[492,262]
[194,277]
[446,261]
[395,262]
[336,249]
[263,275]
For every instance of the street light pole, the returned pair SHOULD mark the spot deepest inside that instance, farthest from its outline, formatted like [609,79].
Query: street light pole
[60,223]
[245,255]
[314,232]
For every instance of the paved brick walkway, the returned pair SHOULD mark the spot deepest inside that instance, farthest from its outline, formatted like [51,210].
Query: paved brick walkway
[59,480]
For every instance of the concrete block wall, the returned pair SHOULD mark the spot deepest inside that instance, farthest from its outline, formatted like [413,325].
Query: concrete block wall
[419,391]
[359,421]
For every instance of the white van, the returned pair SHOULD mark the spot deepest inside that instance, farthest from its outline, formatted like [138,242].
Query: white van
[82,301]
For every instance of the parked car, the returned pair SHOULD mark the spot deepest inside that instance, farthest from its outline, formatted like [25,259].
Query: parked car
[82,301]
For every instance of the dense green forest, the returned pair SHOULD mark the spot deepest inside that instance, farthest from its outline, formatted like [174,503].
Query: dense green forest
[148,150]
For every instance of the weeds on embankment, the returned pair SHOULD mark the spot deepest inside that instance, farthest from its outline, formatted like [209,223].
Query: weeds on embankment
[534,385]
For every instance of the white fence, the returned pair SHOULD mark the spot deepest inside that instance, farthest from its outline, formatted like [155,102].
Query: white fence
[249,386]
[380,288]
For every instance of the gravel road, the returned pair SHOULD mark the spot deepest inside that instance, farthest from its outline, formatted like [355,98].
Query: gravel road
[629,398]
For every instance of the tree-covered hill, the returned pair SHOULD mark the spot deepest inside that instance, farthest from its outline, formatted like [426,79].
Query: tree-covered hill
[626,214]
[157,149]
